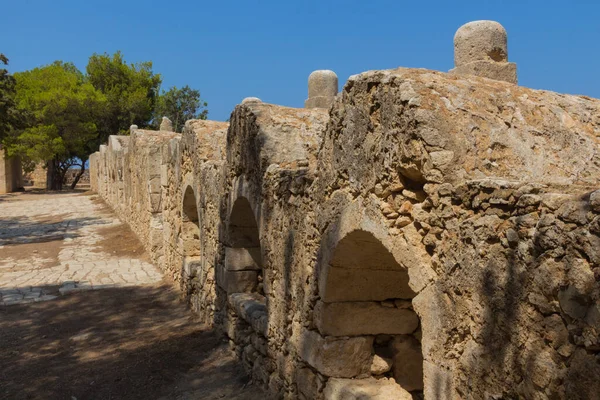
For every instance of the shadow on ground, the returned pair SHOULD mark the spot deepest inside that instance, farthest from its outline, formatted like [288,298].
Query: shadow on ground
[20,230]
[39,192]
[122,343]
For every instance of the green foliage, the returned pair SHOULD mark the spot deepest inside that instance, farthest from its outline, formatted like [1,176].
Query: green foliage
[130,89]
[9,116]
[179,105]
[58,115]
[61,110]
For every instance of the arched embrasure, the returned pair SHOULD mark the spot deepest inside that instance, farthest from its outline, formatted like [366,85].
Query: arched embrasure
[367,293]
[362,269]
[190,229]
[242,270]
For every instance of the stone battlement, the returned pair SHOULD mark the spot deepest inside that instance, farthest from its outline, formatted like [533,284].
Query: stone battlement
[417,234]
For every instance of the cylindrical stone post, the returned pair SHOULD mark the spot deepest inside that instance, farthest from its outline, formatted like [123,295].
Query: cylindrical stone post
[322,89]
[251,100]
[166,125]
[480,48]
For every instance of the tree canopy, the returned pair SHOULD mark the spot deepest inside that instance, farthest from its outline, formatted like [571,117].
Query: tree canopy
[9,116]
[179,105]
[61,110]
[58,115]
[131,91]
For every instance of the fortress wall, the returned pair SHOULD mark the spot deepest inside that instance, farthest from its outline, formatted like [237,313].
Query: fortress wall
[271,157]
[428,233]
[490,207]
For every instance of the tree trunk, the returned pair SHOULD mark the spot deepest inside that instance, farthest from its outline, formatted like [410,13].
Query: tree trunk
[49,173]
[53,176]
[62,174]
[81,171]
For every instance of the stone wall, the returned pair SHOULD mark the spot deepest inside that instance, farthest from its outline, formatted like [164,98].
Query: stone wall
[11,175]
[37,177]
[428,234]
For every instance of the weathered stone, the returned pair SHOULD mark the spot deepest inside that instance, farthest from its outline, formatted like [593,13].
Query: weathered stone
[402,221]
[496,263]
[367,285]
[362,389]
[166,125]
[248,305]
[480,40]
[337,357]
[322,88]
[407,362]
[308,383]
[242,258]
[251,100]
[380,365]
[405,208]
[363,318]
[480,48]
[252,308]
[11,174]
[237,281]
[595,201]
[488,69]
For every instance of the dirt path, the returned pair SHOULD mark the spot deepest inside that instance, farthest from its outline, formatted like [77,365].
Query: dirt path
[129,341]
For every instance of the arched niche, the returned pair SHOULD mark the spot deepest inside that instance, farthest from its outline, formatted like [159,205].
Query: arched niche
[362,269]
[190,229]
[242,269]
[367,294]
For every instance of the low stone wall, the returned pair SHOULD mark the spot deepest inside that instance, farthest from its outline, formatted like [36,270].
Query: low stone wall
[428,235]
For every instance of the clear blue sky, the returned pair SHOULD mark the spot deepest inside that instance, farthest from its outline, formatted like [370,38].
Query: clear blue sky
[234,49]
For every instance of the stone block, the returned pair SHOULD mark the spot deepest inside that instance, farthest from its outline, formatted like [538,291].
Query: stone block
[337,357]
[252,308]
[308,383]
[154,184]
[318,102]
[248,305]
[164,175]
[363,318]
[407,362]
[344,284]
[362,389]
[166,125]
[488,69]
[380,365]
[237,281]
[242,258]
[155,199]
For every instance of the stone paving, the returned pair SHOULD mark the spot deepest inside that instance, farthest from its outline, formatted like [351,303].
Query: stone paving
[49,246]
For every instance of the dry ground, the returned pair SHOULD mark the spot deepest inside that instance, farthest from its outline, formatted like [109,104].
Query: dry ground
[133,342]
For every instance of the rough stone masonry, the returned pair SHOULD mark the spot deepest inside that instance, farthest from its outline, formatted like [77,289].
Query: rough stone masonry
[419,234]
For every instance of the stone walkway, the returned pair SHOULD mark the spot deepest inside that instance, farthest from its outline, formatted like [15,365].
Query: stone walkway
[53,244]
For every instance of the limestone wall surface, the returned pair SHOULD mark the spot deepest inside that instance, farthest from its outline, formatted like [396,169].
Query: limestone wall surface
[11,175]
[429,235]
